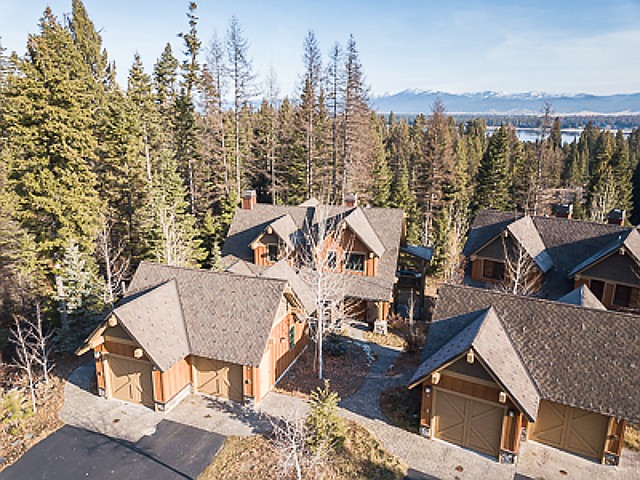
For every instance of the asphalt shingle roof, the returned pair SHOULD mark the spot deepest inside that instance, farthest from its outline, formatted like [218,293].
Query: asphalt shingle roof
[583,297]
[227,317]
[487,337]
[568,243]
[577,356]
[385,225]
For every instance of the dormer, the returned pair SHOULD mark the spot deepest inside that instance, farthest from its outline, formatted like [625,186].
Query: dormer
[276,241]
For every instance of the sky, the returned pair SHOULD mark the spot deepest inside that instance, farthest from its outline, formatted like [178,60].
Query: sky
[454,46]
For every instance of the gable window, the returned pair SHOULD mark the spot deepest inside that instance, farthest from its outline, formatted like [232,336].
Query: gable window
[493,270]
[272,253]
[354,262]
[292,336]
[622,296]
[597,288]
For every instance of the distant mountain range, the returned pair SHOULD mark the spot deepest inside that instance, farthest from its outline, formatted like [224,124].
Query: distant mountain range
[420,101]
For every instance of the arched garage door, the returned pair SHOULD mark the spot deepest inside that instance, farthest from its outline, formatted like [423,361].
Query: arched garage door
[130,379]
[222,379]
[571,429]
[468,422]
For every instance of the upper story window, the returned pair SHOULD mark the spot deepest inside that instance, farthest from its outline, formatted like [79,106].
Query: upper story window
[354,262]
[332,259]
[622,296]
[493,270]
[272,253]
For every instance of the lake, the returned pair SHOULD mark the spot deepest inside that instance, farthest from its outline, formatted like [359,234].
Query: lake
[532,134]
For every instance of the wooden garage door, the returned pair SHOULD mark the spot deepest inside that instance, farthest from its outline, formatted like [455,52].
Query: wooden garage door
[468,422]
[221,379]
[130,380]
[571,429]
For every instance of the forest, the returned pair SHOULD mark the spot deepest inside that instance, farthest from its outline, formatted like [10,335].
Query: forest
[96,177]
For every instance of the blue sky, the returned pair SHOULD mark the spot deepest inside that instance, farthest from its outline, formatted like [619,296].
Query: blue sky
[453,46]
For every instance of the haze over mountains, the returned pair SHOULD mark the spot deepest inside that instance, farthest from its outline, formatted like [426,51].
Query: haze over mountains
[413,101]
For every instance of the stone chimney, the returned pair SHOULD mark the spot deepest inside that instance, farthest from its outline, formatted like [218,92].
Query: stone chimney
[564,210]
[616,217]
[249,199]
[351,200]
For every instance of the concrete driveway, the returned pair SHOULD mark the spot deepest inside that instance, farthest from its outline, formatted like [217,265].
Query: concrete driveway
[174,451]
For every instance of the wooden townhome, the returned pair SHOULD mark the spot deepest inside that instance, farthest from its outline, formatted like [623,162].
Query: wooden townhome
[364,241]
[182,330]
[563,254]
[498,368]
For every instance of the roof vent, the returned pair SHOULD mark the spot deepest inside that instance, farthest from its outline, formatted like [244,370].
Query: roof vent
[249,199]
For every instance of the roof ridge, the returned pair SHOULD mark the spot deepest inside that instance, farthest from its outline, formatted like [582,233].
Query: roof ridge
[538,299]
[212,272]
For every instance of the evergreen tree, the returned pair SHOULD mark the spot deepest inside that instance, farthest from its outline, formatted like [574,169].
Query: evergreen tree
[492,190]
[172,233]
[381,185]
[48,117]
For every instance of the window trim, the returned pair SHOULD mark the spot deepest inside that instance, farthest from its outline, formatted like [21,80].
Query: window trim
[292,336]
[493,278]
[269,247]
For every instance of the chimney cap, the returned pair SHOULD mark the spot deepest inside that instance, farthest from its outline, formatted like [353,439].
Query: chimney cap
[351,199]
[616,214]
[249,193]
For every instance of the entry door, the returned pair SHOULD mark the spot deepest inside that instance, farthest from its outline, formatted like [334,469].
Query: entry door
[218,378]
[130,380]
[468,422]
[571,429]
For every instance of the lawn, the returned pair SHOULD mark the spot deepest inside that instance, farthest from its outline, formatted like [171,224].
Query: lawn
[17,437]
[401,406]
[345,372]
[361,457]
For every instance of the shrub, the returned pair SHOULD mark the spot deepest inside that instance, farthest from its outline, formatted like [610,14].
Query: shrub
[326,428]
[15,409]
[335,345]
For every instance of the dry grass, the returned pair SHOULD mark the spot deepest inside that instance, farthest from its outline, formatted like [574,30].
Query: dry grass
[361,457]
[632,438]
[345,373]
[401,406]
[17,439]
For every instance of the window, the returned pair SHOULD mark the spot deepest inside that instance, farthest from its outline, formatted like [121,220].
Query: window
[354,262]
[493,270]
[597,288]
[292,336]
[332,257]
[622,296]
[272,254]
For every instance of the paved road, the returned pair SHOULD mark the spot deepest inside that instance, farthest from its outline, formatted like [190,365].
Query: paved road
[174,451]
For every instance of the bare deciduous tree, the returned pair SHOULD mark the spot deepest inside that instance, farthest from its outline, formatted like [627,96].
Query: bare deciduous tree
[114,259]
[521,274]
[454,259]
[20,338]
[322,259]
[41,343]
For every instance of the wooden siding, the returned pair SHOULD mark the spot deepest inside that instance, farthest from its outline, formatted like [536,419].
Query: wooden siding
[608,295]
[278,356]
[175,379]
[511,432]
[100,368]
[615,436]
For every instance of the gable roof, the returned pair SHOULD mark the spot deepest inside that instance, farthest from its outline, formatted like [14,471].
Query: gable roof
[583,297]
[487,338]
[576,356]
[630,240]
[285,228]
[227,317]
[361,227]
[154,319]
[524,231]
[239,267]
[568,243]
[386,223]
[282,270]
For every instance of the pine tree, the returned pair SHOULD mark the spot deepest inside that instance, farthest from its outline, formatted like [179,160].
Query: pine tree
[165,74]
[381,185]
[48,118]
[493,181]
[172,233]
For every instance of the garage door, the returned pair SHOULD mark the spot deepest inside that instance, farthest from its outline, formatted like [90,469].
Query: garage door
[218,378]
[130,380]
[468,422]
[571,429]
